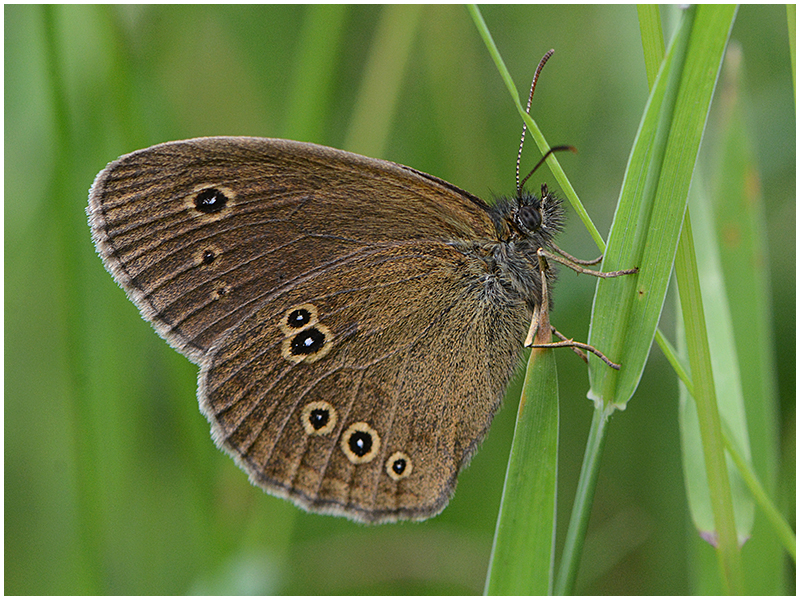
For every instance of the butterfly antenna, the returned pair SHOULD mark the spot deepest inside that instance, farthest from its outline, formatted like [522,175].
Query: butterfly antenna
[539,164]
[542,62]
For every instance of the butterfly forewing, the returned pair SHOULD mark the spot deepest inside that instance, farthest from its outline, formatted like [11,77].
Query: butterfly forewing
[285,209]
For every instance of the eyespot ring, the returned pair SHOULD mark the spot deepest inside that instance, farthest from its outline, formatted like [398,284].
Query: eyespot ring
[307,345]
[360,443]
[399,466]
[210,201]
[318,417]
[299,317]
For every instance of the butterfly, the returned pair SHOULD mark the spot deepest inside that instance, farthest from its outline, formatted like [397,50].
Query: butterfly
[355,321]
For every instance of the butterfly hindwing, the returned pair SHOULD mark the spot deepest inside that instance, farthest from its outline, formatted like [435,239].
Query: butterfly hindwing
[398,353]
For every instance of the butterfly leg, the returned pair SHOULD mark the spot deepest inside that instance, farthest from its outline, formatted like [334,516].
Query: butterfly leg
[576,264]
[576,347]
[541,331]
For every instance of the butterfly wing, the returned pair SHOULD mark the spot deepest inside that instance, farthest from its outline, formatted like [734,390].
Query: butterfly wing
[351,354]
[199,232]
[406,369]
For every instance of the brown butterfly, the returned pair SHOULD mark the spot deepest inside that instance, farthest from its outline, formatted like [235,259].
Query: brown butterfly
[355,321]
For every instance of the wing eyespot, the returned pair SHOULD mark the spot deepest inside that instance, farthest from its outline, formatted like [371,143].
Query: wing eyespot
[399,466]
[211,201]
[305,338]
[360,443]
[319,417]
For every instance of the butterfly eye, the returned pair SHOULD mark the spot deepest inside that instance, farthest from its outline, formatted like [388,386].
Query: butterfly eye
[308,342]
[298,318]
[530,218]
[210,203]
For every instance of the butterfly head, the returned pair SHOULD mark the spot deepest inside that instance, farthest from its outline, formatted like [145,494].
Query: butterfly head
[530,218]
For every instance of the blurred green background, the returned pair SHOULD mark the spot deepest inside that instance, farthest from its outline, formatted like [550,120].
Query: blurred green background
[112,484]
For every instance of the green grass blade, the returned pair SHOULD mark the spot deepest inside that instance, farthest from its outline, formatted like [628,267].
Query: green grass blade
[652,39]
[736,222]
[523,549]
[652,202]
[740,234]
[634,214]
[727,381]
[584,495]
[791,22]
[724,538]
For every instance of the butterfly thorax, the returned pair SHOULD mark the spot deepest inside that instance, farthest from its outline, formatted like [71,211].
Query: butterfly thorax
[506,266]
